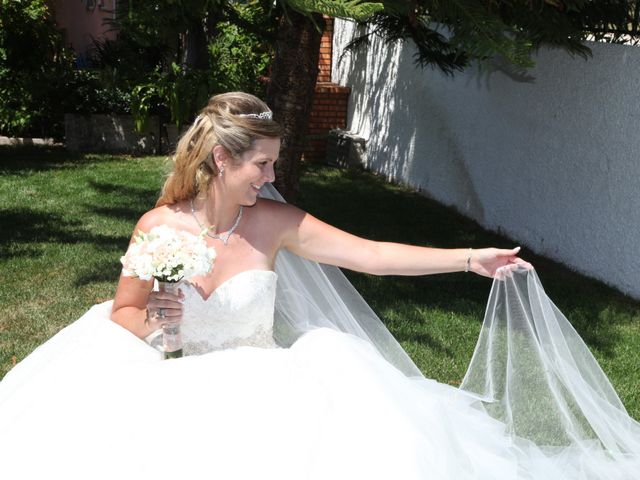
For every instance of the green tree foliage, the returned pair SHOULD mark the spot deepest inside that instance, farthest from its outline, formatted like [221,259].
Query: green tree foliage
[360,10]
[35,70]
[451,34]
[191,50]
[168,58]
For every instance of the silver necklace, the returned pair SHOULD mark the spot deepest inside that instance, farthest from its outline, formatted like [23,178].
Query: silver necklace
[224,237]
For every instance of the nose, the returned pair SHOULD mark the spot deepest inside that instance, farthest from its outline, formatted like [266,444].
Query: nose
[271,174]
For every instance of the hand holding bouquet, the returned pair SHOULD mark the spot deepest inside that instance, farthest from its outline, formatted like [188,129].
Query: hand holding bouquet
[169,256]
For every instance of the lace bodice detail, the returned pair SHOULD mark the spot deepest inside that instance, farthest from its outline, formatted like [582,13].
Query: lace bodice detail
[239,312]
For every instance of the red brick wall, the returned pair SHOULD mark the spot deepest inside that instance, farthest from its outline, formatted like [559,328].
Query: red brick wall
[329,108]
[326,47]
[329,111]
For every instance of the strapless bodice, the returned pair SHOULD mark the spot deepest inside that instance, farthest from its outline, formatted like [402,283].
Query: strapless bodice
[239,312]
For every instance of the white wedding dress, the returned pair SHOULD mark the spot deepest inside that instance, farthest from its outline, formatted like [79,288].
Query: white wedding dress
[96,402]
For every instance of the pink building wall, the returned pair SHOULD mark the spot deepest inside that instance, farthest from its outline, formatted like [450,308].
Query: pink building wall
[83,21]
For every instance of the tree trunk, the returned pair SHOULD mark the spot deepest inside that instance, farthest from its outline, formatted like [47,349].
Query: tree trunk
[195,56]
[290,93]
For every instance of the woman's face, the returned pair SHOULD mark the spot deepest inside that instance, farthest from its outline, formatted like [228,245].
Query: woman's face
[244,179]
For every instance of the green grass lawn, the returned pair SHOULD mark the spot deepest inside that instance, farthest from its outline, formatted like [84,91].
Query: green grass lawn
[66,221]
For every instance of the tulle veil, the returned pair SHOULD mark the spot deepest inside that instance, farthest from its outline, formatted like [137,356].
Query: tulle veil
[530,369]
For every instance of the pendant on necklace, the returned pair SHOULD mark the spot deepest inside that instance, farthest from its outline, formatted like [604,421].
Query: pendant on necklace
[223,237]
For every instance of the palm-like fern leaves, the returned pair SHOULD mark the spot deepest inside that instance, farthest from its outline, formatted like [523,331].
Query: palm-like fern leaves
[355,9]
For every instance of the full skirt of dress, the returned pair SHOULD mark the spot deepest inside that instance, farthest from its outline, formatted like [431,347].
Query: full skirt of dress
[97,402]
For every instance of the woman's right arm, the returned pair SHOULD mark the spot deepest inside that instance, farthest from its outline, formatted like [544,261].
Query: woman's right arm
[130,306]
[135,305]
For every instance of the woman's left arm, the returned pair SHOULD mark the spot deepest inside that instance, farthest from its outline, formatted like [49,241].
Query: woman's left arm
[308,237]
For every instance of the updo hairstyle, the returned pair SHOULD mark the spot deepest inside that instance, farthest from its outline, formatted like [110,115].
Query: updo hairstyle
[218,123]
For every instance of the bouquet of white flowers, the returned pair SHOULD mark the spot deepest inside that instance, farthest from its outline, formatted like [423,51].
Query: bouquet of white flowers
[169,256]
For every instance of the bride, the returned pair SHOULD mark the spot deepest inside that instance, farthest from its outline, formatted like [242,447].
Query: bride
[288,373]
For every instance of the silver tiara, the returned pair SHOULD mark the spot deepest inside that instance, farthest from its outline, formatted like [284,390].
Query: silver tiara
[268,115]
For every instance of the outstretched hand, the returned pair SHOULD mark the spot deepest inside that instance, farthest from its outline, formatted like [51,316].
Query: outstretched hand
[487,261]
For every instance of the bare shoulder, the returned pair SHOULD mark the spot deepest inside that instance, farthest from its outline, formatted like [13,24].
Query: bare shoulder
[279,213]
[277,220]
[164,215]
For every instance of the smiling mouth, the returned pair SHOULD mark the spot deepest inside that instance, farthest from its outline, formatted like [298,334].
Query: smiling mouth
[256,187]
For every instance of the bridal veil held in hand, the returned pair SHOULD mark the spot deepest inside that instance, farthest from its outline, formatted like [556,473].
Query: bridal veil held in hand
[530,369]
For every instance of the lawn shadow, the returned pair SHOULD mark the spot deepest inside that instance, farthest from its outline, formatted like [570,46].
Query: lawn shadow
[427,340]
[106,271]
[128,203]
[118,202]
[26,158]
[25,230]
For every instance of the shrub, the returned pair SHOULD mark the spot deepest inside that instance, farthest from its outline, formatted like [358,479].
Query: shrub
[237,60]
[90,93]
[35,70]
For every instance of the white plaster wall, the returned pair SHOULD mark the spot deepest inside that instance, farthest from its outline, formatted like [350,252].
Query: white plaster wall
[552,161]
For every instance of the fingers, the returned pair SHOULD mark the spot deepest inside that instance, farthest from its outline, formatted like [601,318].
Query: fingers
[164,307]
[499,263]
[506,271]
[165,300]
[167,296]
[169,314]
[167,304]
[517,260]
[501,273]
[156,318]
[508,252]
[521,263]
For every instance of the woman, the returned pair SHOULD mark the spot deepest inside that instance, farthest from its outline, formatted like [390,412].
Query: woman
[340,402]
[221,164]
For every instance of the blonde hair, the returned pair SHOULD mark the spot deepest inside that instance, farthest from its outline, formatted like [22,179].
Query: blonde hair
[219,123]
